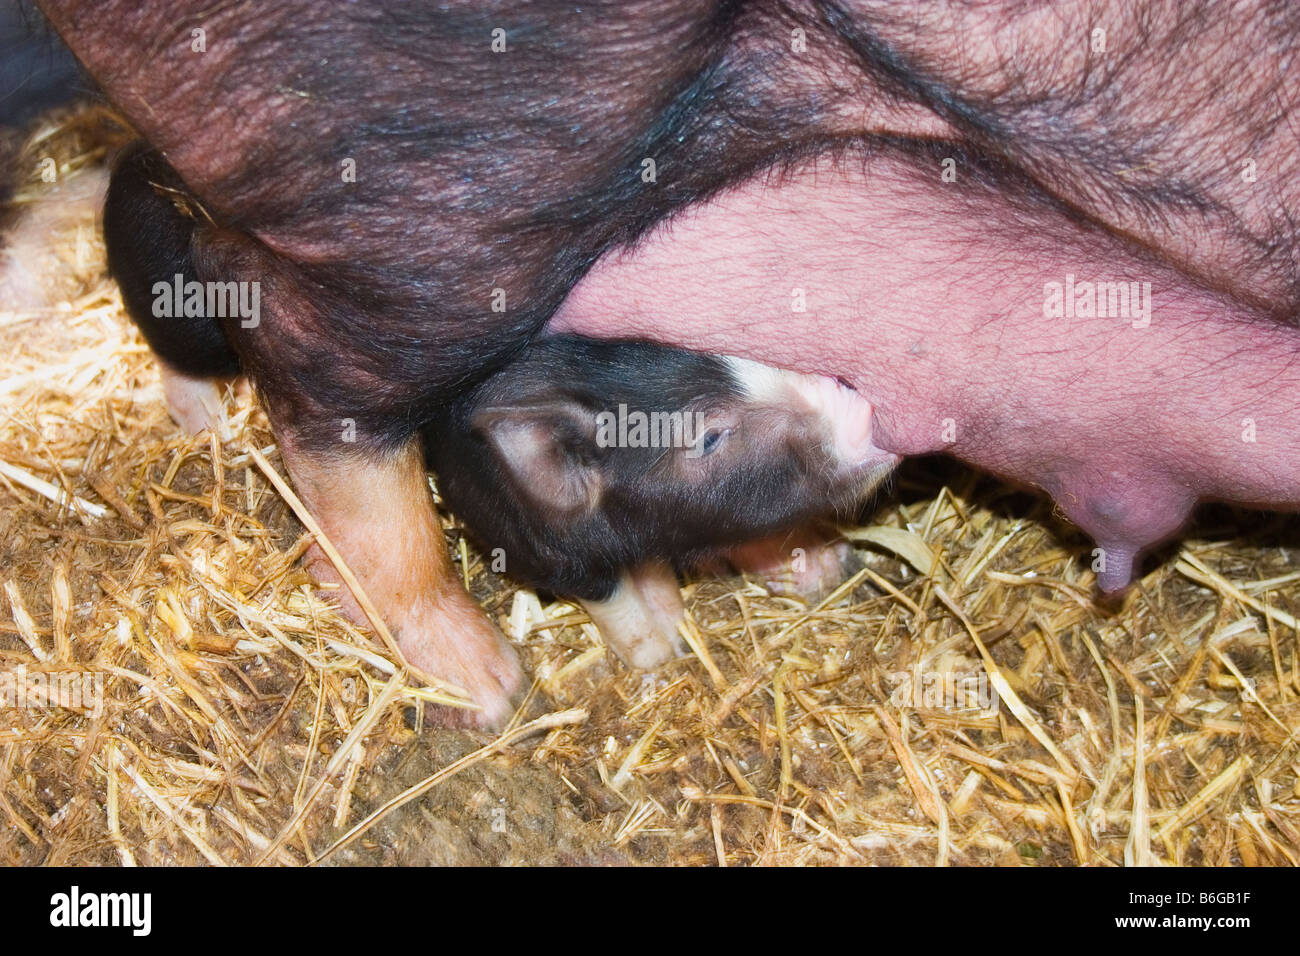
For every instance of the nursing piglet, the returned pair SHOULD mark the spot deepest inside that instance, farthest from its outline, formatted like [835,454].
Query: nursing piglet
[596,468]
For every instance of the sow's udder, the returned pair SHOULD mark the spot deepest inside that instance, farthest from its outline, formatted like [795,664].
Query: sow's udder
[983,325]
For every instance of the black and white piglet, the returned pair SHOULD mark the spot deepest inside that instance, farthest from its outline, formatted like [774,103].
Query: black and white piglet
[596,467]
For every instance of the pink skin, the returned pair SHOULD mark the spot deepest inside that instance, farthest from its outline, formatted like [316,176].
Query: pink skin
[848,417]
[805,562]
[851,418]
[194,403]
[928,298]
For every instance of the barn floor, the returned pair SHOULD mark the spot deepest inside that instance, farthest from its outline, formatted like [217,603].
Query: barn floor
[963,699]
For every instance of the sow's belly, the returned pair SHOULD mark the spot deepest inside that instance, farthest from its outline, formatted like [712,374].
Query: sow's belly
[984,325]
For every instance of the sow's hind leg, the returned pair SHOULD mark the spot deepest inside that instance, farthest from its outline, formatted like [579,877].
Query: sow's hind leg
[360,472]
[375,508]
[147,239]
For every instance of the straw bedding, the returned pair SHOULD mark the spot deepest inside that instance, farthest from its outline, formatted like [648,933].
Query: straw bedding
[963,699]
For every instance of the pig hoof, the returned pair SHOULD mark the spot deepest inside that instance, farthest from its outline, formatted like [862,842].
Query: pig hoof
[376,511]
[818,572]
[809,571]
[461,646]
[646,651]
[640,639]
[448,637]
[639,620]
[194,403]
[452,639]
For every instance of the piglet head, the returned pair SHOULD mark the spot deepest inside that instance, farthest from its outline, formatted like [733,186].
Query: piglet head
[633,451]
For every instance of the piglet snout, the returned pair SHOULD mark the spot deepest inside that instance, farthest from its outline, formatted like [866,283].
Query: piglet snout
[849,418]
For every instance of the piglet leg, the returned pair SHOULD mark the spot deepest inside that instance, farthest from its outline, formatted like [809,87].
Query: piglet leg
[639,620]
[807,562]
[194,403]
[377,512]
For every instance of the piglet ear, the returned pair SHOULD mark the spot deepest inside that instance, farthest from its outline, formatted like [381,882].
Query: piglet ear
[542,448]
